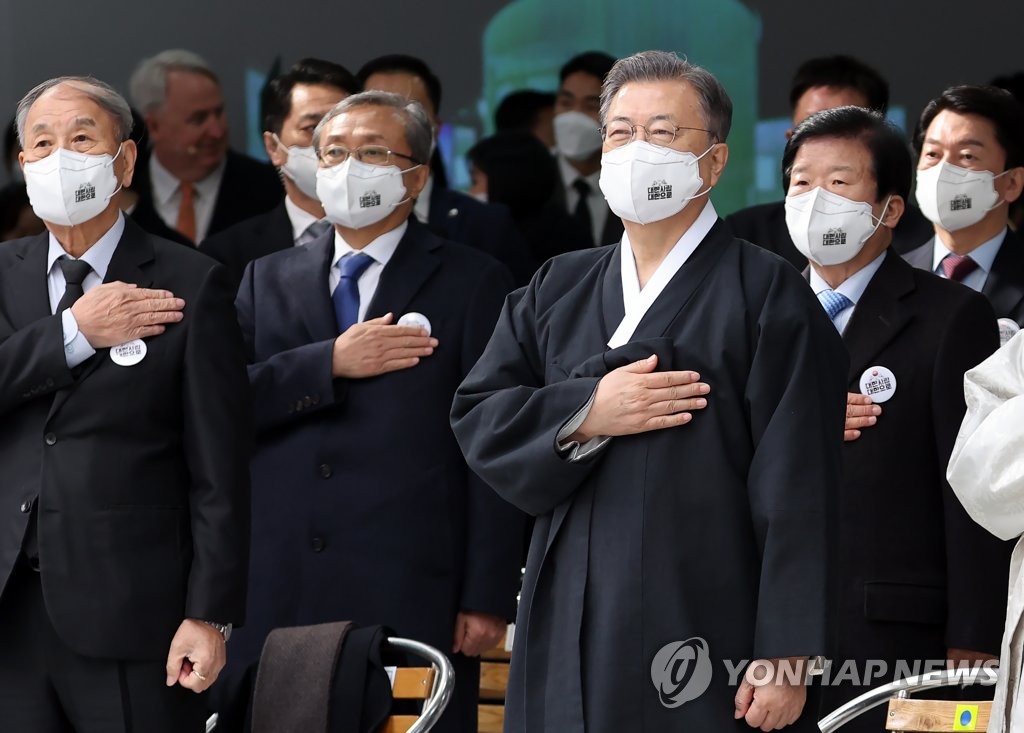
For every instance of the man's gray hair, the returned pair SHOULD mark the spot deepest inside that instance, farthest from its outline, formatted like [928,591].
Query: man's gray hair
[148,85]
[648,66]
[99,92]
[418,132]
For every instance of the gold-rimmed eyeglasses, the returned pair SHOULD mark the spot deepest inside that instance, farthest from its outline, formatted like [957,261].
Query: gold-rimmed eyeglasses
[333,155]
[662,132]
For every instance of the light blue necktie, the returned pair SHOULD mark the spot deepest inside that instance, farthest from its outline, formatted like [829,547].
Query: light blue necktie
[346,295]
[834,303]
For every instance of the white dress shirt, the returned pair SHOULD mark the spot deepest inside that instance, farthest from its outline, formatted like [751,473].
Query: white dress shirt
[852,287]
[167,195]
[76,346]
[299,218]
[595,200]
[381,250]
[984,255]
[636,302]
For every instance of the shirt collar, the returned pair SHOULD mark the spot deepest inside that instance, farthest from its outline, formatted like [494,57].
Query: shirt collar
[381,249]
[984,255]
[98,256]
[300,218]
[166,185]
[421,209]
[570,174]
[854,286]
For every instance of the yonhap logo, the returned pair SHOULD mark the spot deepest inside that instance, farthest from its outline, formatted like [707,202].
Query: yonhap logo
[681,671]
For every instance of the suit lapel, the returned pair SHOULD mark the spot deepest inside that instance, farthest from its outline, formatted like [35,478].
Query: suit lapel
[130,264]
[311,266]
[879,316]
[25,291]
[1004,285]
[412,264]
[921,258]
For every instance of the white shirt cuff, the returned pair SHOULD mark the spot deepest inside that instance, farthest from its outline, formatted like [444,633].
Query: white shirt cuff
[76,346]
[572,449]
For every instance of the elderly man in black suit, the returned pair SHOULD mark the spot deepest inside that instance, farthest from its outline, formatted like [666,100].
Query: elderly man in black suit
[189,181]
[363,507]
[970,142]
[911,337]
[123,413]
[292,105]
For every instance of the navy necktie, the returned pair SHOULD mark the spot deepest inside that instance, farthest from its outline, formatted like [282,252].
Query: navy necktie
[75,272]
[834,303]
[346,295]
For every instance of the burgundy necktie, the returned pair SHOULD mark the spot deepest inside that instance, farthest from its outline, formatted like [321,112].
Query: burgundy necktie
[957,267]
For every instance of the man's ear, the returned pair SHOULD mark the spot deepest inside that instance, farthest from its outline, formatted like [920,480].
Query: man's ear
[894,212]
[278,157]
[1014,184]
[718,156]
[129,154]
[416,179]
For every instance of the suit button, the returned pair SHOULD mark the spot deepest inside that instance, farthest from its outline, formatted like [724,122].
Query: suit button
[50,439]
[325,471]
[26,506]
[49,381]
[318,544]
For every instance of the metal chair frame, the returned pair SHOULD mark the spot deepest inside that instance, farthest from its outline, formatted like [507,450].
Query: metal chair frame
[903,689]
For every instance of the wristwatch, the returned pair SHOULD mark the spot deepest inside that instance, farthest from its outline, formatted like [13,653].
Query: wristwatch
[224,629]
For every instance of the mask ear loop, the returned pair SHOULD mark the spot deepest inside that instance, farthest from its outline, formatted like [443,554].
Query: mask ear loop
[408,198]
[706,190]
[1001,201]
[878,221]
[120,185]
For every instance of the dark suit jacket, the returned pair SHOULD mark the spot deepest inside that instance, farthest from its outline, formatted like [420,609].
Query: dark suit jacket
[916,575]
[486,227]
[765,226]
[1004,286]
[363,507]
[611,233]
[137,474]
[248,188]
[248,240]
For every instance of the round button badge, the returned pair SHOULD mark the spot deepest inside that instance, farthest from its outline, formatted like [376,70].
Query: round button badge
[415,319]
[878,383]
[1008,328]
[129,353]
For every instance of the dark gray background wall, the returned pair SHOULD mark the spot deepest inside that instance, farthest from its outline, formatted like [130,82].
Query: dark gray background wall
[921,46]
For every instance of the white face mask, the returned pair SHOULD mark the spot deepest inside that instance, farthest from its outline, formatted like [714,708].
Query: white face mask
[357,195]
[954,197]
[830,229]
[301,166]
[68,188]
[577,136]
[646,183]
